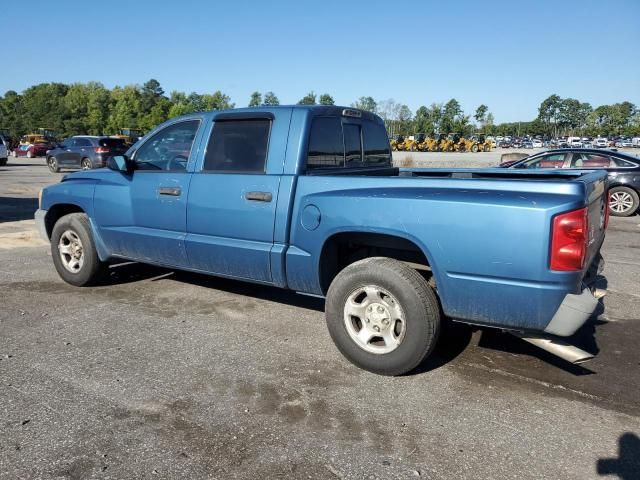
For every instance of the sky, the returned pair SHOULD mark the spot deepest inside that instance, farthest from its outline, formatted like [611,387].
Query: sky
[509,55]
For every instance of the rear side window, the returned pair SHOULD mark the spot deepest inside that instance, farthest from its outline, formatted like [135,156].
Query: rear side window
[82,142]
[589,160]
[619,162]
[326,148]
[238,146]
[376,144]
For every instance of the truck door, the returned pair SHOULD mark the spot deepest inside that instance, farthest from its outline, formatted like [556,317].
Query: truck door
[232,200]
[143,215]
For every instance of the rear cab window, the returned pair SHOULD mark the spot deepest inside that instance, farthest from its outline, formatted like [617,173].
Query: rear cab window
[335,142]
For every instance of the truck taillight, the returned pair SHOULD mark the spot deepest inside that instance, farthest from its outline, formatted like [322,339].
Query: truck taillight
[569,240]
[102,150]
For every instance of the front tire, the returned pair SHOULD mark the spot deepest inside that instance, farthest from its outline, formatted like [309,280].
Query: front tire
[52,163]
[73,251]
[623,201]
[29,154]
[382,315]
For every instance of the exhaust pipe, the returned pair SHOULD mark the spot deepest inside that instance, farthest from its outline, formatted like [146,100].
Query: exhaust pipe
[557,347]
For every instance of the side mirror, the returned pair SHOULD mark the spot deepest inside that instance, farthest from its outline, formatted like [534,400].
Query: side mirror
[120,163]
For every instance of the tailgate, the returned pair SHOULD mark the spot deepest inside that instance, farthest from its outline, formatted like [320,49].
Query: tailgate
[596,196]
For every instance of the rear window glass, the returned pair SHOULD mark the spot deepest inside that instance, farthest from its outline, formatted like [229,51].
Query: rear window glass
[352,145]
[111,142]
[326,148]
[331,143]
[238,146]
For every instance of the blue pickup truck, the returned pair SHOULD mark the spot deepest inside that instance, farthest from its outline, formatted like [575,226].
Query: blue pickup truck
[307,198]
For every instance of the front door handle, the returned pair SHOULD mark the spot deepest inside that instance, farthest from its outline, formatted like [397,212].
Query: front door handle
[259,196]
[171,191]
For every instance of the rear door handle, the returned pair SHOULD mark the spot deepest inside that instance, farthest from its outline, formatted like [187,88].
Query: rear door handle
[259,196]
[171,191]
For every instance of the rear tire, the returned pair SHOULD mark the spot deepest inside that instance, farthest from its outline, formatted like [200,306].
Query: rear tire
[85,164]
[73,251]
[3,161]
[382,296]
[52,163]
[623,201]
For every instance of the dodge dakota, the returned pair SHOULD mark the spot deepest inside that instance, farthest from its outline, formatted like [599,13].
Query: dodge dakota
[307,198]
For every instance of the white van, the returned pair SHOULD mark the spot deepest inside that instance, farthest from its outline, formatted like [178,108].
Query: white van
[574,142]
[600,142]
[635,142]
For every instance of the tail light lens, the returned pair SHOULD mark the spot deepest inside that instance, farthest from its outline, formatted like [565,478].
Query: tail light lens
[569,240]
[103,149]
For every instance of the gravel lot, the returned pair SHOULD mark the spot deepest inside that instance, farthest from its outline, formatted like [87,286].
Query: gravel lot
[162,374]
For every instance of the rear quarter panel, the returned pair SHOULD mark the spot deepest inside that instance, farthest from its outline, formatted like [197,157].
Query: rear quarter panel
[487,241]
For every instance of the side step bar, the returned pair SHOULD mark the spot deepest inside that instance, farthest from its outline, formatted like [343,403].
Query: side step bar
[557,347]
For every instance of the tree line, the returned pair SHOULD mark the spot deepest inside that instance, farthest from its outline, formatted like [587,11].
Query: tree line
[91,108]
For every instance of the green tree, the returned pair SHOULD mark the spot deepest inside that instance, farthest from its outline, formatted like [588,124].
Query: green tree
[326,99]
[366,103]
[126,108]
[549,113]
[481,114]
[308,99]
[271,99]
[451,113]
[256,99]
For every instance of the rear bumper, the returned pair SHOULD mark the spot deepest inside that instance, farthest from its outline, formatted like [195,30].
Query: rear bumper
[573,312]
[40,223]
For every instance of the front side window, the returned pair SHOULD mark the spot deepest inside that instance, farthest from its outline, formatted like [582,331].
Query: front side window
[238,146]
[326,148]
[169,149]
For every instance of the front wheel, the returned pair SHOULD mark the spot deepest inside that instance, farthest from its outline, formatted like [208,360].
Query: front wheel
[52,163]
[29,154]
[382,315]
[74,252]
[623,201]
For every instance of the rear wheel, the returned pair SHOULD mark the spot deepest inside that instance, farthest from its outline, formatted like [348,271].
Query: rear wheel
[474,148]
[623,201]
[73,251]
[382,315]
[52,163]
[85,164]
[3,162]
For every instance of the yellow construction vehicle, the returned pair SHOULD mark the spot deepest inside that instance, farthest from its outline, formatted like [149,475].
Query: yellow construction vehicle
[129,135]
[416,143]
[482,142]
[397,143]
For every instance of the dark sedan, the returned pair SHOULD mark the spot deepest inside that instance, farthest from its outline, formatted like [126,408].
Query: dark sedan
[84,151]
[623,169]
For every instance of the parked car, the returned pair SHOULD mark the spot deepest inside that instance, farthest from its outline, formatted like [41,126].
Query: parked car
[623,172]
[4,152]
[307,198]
[84,151]
[624,143]
[600,143]
[505,144]
[31,150]
[537,143]
[574,142]
[527,144]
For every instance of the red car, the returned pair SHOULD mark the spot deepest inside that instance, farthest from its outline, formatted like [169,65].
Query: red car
[31,150]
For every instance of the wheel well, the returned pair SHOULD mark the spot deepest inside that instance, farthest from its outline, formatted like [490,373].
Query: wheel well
[58,211]
[343,249]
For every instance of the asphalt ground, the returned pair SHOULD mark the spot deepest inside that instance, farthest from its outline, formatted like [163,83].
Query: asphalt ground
[163,374]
